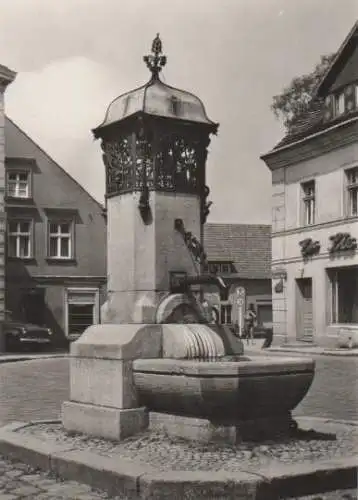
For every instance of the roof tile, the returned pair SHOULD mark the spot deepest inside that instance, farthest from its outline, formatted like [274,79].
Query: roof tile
[248,246]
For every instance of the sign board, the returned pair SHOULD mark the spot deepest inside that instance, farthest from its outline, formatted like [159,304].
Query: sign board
[279,273]
[240,291]
[240,306]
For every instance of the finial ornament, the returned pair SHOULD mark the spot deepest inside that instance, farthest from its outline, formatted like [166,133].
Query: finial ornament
[155,62]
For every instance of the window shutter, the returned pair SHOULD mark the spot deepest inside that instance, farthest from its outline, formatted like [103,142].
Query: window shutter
[328,106]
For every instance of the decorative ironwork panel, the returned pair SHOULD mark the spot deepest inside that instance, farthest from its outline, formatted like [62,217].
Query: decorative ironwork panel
[171,162]
[144,172]
[118,161]
[177,164]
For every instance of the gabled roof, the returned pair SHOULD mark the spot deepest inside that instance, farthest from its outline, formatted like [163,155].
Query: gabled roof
[339,61]
[342,70]
[19,145]
[248,246]
[7,75]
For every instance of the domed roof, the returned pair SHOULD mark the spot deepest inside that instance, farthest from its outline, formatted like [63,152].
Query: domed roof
[156,98]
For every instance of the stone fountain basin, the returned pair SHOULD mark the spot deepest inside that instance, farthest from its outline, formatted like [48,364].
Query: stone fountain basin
[223,390]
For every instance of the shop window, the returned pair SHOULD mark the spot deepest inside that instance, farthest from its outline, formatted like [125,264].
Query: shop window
[344,295]
[18,184]
[19,239]
[225,314]
[352,187]
[308,202]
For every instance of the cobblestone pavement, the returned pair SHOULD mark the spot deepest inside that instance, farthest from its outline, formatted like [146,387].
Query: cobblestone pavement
[34,390]
[166,453]
[18,481]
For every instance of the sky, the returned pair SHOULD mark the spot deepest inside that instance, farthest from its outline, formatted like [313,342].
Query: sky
[74,56]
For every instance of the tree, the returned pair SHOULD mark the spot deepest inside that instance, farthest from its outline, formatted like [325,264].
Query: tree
[295,98]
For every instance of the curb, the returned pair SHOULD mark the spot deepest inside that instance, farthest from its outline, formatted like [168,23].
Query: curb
[129,477]
[17,359]
[323,352]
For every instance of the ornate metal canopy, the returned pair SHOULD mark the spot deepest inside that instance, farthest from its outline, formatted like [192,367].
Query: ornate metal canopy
[156,137]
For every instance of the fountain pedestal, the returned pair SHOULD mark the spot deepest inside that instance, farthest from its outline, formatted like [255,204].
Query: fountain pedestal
[104,399]
[136,364]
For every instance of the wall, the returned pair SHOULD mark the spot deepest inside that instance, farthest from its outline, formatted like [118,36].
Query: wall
[54,192]
[6,77]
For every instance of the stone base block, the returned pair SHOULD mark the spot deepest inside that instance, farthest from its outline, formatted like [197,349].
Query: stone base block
[104,422]
[204,431]
[348,338]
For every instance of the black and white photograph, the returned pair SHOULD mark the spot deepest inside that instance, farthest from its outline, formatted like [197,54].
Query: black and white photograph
[179,249]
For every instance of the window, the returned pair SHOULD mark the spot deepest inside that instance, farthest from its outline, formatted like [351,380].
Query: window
[340,104]
[219,267]
[352,186]
[309,203]
[80,316]
[226,314]
[82,310]
[18,184]
[344,283]
[60,240]
[19,239]
[225,268]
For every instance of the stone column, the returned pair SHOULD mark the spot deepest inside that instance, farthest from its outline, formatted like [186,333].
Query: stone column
[6,77]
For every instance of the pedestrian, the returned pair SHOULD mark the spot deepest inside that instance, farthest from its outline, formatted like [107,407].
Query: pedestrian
[250,319]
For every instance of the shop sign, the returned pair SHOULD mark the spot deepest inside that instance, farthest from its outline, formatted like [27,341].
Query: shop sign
[342,242]
[309,247]
[279,274]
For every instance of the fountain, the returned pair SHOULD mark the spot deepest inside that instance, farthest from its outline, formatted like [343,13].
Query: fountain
[156,360]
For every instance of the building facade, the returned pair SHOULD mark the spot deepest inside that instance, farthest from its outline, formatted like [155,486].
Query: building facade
[6,77]
[315,212]
[55,241]
[241,254]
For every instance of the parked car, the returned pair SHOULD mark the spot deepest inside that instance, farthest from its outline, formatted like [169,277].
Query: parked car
[19,334]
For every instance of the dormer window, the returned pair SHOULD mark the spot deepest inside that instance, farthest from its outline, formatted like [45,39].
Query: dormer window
[217,267]
[340,104]
[18,184]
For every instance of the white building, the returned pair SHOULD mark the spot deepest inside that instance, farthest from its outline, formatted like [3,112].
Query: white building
[315,213]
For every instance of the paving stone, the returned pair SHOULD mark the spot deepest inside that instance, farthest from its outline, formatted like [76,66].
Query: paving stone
[26,490]
[19,482]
